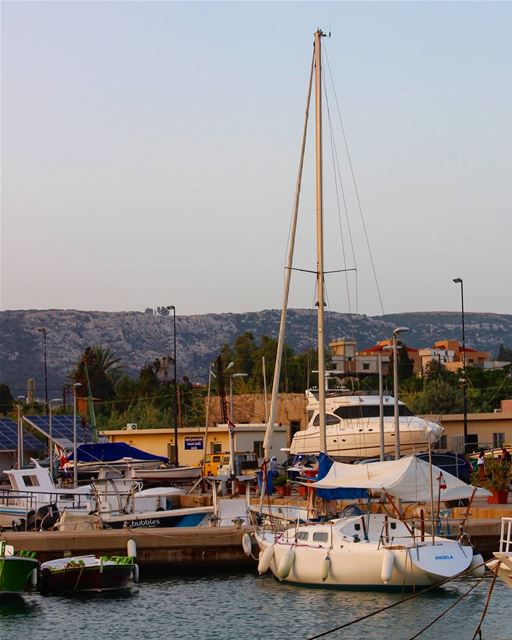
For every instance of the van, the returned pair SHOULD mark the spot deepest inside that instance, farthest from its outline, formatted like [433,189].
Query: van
[217,464]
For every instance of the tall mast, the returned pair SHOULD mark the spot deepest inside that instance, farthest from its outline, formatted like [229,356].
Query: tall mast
[320,237]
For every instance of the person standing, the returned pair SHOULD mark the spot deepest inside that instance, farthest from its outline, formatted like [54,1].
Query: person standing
[480,463]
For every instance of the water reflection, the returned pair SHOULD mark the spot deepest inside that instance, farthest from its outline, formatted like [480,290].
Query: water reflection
[229,607]
[17,606]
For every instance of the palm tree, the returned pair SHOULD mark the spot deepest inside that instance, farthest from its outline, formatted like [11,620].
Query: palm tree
[101,368]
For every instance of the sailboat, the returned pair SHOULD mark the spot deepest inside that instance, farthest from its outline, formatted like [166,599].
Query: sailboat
[361,550]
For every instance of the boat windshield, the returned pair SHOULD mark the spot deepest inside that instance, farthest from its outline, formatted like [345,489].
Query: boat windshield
[354,412]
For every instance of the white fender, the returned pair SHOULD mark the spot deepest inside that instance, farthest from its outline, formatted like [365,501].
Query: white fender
[131,548]
[386,571]
[286,563]
[247,544]
[265,559]
[135,574]
[477,566]
[326,568]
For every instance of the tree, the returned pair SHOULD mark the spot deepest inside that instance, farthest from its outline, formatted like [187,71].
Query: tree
[504,354]
[103,370]
[438,397]
[6,399]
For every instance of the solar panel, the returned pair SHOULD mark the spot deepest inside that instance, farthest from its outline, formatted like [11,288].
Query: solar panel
[62,429]
[9,437]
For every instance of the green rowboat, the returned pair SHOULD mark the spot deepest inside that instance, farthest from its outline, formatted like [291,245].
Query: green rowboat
[15,569]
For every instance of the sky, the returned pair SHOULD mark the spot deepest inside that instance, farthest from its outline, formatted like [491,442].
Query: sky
[149,155]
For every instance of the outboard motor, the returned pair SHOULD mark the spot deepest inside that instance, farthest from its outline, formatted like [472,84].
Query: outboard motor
[46,517]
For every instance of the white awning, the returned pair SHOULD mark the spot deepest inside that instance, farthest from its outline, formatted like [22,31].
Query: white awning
[407,479]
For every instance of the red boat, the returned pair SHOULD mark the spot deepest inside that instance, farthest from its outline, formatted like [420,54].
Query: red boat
[86,574]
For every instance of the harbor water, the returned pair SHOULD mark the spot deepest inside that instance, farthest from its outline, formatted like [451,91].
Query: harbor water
[243,605]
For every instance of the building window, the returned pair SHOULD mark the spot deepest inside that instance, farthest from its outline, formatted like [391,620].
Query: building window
[258,448]
[216,447]
[294,427]
[498,440]
[366,366]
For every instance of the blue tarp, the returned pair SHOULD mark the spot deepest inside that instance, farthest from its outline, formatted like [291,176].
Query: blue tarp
[324,464]
[111,451]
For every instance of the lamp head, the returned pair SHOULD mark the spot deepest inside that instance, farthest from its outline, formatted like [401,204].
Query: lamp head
[399,330]
[170,306]
[457,280]
[231,364]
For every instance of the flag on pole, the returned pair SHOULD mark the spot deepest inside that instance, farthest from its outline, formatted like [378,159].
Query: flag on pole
[441,480]
[231,425]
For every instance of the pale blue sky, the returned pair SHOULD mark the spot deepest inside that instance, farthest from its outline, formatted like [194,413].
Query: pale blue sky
[149,153]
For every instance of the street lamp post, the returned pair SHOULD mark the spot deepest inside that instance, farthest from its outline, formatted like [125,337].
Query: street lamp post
[207,417]
[50,433]
[396,413]
[43,331]
[464,381]
[19,400]
[75,461]
[172,308]
[231,429]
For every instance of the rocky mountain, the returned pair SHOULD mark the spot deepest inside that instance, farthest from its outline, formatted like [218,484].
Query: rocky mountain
[138,338]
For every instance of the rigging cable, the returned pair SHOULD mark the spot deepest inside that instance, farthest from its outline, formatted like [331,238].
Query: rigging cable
[355,185]
[338,179]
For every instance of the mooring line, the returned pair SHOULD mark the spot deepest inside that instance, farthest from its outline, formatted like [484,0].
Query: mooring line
[395,604]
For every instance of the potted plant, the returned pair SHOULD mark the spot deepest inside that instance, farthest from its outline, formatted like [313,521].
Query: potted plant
[282,486]
[497,480]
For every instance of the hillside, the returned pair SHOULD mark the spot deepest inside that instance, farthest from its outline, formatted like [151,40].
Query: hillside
[138,338]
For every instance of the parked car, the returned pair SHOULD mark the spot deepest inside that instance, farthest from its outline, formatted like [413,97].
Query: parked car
[451,462]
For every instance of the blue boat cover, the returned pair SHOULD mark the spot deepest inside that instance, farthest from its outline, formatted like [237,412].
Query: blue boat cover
[112,451]
[324,464]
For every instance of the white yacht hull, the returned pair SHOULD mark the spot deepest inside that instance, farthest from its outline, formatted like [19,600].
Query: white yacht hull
[361,439]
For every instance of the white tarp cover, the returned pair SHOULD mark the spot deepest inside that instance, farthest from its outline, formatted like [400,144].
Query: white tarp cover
[407,479]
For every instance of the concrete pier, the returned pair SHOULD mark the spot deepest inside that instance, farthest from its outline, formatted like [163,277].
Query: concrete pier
[158,550]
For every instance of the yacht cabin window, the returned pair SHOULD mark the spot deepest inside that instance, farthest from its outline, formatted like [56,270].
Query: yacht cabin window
[320,536]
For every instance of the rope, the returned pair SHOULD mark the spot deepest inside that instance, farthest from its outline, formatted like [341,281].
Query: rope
[395,604]
[478,630]
[454,604]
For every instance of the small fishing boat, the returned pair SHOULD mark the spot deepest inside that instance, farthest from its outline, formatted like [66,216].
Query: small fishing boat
[86,574]
[169,474]
[16,568]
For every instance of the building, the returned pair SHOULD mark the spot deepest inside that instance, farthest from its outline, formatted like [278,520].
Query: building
[485,430]
[450,355]
[193,442]
[350,362]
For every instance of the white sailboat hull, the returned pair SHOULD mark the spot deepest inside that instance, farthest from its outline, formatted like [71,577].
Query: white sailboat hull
[365,564]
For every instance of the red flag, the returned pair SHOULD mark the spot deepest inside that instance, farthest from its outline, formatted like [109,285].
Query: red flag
[440,479]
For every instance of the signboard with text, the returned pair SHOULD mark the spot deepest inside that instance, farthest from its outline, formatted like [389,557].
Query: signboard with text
[192,443]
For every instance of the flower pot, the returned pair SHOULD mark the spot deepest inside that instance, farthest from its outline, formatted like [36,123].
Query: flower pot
[498,496]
